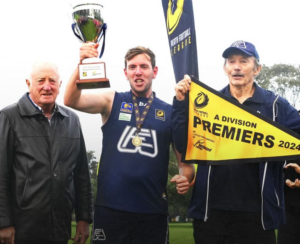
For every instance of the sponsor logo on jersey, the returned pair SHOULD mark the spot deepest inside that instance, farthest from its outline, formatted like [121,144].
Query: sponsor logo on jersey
[126,107]
[148,147]
[141,104]
[160,114]
[99,235]
[124,116]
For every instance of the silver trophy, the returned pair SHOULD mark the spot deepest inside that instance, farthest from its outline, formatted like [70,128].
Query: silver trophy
[88,25]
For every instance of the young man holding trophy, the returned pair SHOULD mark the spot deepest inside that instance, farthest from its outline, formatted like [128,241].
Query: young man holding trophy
[131,205]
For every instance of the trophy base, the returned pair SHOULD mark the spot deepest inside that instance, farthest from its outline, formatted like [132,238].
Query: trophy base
[92,84]
[92,76]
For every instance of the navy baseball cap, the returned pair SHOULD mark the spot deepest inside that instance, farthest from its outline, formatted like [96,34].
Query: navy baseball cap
[245,47]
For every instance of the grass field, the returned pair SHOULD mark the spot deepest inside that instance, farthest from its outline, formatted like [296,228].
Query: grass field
[180,233]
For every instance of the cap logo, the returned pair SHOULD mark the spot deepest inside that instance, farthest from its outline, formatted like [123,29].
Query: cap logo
[239,44]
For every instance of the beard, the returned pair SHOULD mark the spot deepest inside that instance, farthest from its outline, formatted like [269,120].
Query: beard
[143,91]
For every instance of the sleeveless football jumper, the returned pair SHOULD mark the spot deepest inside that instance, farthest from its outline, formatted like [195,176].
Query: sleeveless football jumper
[131,178]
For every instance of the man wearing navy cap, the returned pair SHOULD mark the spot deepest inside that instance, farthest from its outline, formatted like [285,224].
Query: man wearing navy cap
[239,203]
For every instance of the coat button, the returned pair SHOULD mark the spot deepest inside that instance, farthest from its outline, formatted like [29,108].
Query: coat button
[54,174]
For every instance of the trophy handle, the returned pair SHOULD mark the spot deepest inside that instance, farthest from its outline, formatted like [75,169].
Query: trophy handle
[75,33]
[102,35]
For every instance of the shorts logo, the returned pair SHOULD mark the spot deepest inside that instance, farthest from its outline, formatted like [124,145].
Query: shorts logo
[160,114]
[99,235]
[126,107]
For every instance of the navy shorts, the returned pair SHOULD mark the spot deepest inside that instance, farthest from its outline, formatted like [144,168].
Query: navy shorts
[113,226]
[230,227]
[41,242]
[290,232]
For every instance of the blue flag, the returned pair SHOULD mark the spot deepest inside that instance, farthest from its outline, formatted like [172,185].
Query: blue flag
[180,25]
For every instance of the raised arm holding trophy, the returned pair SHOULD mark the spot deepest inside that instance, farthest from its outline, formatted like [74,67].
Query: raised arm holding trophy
[89,27]
[131,202]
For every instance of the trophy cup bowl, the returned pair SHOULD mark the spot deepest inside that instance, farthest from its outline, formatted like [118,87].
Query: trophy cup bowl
[88,25]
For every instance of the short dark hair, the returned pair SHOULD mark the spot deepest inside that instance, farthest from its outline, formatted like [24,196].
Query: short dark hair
[131,53]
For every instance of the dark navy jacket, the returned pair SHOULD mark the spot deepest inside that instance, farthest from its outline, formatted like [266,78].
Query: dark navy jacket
[270,174]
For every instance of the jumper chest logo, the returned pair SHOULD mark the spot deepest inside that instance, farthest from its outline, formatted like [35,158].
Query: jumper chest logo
[126,111]
[99,235]
[160,114]
[148,138]
[126,107]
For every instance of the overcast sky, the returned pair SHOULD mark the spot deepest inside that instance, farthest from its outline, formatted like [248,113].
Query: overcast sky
[35,30]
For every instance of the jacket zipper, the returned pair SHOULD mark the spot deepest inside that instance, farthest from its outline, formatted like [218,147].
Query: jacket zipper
[278,203]
[262,195]
[265,171]
[207,194]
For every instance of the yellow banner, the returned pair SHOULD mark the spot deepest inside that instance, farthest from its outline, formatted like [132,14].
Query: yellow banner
[220,131]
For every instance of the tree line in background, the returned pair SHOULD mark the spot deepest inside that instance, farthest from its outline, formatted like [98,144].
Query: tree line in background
[93,165]
[282,79]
